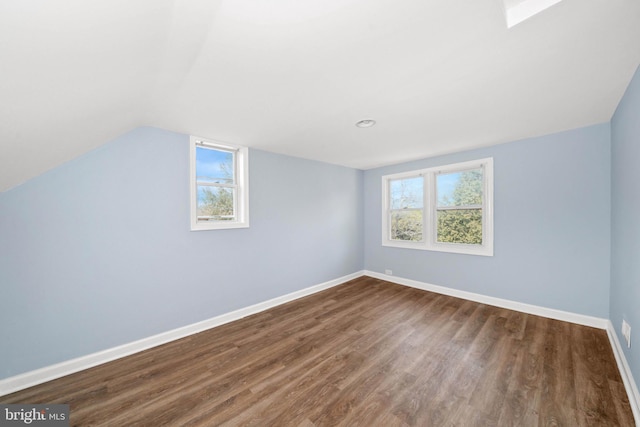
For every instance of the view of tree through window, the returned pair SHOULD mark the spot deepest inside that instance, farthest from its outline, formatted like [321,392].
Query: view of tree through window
[459,207]
[216,186]
[446,208]
[407,205]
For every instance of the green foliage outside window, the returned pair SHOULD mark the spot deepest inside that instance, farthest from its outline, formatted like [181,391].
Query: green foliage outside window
[217,203]
[406,225]
[462,225]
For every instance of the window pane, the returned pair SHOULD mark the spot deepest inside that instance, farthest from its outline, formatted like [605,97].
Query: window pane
[406,193]
[406,225]
[460,226]
[214,166]
[215,204]
[459,188]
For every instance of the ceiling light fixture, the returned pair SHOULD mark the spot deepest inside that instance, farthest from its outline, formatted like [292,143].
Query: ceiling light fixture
[365,123]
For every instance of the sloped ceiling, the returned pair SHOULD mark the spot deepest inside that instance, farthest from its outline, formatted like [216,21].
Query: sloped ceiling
[294,76]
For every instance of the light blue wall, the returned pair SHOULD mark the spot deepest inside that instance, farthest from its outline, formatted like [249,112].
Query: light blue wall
[552,225]
[98,252]
[625,220]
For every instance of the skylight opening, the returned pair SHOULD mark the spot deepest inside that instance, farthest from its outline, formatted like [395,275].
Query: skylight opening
[521,10]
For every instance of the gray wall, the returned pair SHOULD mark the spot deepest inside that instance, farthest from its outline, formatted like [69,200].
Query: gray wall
[552,225]
[625,220]
[98,252]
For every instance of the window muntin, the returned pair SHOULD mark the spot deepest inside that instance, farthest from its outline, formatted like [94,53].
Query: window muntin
[454,212]
[219,185]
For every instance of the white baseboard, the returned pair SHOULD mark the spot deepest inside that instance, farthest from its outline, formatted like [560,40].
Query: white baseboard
[580,319]
[48,373]
[551,313]
[625,372]
[39,376]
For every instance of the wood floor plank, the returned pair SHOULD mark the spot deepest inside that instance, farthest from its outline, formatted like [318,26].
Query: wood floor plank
[365,353]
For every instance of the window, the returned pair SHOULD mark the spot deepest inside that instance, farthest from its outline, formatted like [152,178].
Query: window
[459,206]
[448,208]
[219,185]
[407,208]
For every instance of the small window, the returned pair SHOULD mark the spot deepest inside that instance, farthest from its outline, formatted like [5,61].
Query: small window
[448,209]
[219,185]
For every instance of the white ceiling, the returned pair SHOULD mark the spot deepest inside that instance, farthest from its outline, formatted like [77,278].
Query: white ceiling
[294,76]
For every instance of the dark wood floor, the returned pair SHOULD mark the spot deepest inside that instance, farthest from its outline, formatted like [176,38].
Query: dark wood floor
[367,353]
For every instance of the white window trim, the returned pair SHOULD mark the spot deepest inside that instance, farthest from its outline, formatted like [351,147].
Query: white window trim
[241,169]
[428,242]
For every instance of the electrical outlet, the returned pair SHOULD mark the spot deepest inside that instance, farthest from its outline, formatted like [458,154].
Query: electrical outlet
[388,272]
[626,332]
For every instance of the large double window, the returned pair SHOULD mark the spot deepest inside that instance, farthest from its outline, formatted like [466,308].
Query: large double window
[219,185]
[447,208]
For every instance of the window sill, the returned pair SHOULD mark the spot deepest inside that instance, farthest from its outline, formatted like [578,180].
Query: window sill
[443,247]
[219,226]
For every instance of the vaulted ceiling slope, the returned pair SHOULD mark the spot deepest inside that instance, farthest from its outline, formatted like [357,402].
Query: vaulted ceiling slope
[294,76]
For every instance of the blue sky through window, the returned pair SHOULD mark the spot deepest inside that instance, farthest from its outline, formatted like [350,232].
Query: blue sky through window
[214,166]
[407,193]
[447,183]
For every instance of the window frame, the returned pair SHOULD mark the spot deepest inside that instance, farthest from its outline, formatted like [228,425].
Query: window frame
[240,187]
[429,233]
